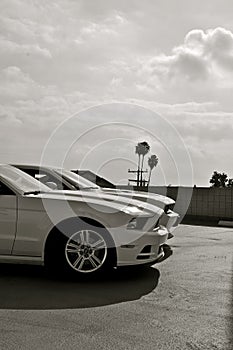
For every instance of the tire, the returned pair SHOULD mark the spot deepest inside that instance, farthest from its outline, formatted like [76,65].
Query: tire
[80,248]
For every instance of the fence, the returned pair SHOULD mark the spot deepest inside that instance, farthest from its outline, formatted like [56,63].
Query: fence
[203,202]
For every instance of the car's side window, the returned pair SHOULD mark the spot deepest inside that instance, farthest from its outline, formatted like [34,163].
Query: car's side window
[4,190]
[46,178]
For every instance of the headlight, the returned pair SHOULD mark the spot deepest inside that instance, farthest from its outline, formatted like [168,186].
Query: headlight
[169,207]
[132,225]
[137,223]
[132,210]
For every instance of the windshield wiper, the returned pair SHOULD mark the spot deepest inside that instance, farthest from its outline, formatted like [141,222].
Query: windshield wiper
[34,192]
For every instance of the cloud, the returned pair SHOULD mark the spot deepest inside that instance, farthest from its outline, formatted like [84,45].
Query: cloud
[61,56]
[204,55]
[200,69]
[18,85]
[109,26]
[214,44]
[111,53]
[15,84]
[22,37]
[11,48]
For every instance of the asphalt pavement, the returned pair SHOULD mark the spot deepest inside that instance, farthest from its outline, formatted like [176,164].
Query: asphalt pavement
[184,302]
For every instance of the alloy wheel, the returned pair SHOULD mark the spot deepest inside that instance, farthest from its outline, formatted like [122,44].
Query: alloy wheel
[86,251]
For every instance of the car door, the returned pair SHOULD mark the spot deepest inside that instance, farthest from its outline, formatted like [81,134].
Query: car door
[8,217]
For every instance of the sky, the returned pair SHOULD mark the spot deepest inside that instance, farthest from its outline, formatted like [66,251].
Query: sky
[82,82]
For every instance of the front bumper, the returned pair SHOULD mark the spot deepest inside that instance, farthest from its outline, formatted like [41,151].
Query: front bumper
[146,249]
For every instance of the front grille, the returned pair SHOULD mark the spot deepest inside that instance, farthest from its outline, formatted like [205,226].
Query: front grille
[146,249]
[148,252]
[145,253]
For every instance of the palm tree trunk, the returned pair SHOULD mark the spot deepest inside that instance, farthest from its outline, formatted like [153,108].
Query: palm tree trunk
[138,172]
[141,170]
[148,183]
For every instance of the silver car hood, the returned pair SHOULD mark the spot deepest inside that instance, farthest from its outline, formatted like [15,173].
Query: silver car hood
[153,198]
[93,197]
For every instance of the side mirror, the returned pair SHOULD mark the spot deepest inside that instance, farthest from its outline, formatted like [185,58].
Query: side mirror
[51,185]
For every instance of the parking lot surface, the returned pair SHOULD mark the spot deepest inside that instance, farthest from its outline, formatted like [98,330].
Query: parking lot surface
[185,302]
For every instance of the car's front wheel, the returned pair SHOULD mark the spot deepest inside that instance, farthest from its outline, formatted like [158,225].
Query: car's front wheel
[85,251]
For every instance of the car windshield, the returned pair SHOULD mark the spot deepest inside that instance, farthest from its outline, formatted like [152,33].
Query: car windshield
[95,178]
[76,180]
[21,181]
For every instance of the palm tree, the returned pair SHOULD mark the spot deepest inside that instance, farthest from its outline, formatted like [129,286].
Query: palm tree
[152,162]
[142,149]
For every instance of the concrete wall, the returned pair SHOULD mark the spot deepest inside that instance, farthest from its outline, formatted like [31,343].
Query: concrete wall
[212,202]
[199,201]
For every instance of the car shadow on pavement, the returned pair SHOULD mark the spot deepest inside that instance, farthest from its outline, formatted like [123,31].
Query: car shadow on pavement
[30,287]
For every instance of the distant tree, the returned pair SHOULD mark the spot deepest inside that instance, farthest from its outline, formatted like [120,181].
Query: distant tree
[152,162]
[218,179]
[141,150]
[230,183]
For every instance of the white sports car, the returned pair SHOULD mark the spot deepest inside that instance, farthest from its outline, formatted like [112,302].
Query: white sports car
[83,233]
